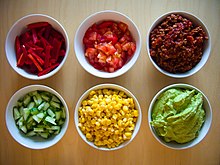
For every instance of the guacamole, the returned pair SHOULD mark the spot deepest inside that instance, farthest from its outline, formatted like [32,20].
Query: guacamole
[178,115]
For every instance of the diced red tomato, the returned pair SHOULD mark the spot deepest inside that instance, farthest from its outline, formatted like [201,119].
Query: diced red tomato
[108,45]
[123,26]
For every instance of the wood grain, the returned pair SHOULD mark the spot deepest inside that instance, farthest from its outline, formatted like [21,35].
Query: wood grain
[143,80]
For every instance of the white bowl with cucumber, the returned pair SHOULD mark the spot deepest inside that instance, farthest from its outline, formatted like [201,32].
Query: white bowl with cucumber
[37,116]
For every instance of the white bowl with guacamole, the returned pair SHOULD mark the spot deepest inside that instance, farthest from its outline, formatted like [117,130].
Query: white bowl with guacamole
[180,116]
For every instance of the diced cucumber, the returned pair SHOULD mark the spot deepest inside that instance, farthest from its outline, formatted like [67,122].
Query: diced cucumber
[20,122]
[41,105]
[46,105]
[44,134]
[39,113]
[31,133]
[63,113]
[34,111]
[55,105]
[31,105]
[33,93]
[55,99]
[37,98]
[38,129]
[37,119]
[24,129]
[45,97]
[19,103]
[27,99]
[50,120]
[50,112]
[26,113]
[58,115]
[16,113]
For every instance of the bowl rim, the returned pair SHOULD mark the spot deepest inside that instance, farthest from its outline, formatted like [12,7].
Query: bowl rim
[132,61]
[30,88]
[51,73]
[182,146]
[196,20]
[110,86]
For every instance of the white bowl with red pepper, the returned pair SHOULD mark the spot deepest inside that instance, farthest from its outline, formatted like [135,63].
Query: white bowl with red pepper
[107,44]
[178,44]
[36,46]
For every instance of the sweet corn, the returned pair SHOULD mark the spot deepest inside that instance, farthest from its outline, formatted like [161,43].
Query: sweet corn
[107,117]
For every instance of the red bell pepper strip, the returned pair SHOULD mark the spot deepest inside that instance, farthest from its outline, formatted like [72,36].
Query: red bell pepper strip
[44,42]
[37,25]
[17,47]
[40,60]
[47,70]
[40,33]
[34,35]
[56,34]
[47,56]
[56,48]
[21,60]
[35,63]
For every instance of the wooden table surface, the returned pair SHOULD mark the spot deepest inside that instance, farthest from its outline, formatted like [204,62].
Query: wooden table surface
[143,80]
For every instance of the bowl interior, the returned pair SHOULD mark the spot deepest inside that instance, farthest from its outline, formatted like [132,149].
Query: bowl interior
[96,18]
[204,130]
[33,142]
[19,27]
[207,44]
[110,86]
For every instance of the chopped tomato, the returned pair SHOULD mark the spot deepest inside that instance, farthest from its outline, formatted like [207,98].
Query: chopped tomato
[123,26]
[108,45]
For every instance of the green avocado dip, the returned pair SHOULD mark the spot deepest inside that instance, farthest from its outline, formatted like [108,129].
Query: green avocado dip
[178,115]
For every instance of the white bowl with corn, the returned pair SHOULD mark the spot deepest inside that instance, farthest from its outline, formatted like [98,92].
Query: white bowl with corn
[107,117]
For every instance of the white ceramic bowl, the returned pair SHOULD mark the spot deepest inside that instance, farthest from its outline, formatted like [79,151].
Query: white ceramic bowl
[207,44]
[33,142]
[204,130]
[18,27]
[109,86]
[96,18]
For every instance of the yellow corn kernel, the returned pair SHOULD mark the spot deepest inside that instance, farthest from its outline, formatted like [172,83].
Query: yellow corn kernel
[98,113]
[110,141]
[82,120]
[94,105]
[92,93]
[88,136]
[97,124]
[122,112]
[105,142]
[115,116]
[128,134]
[93,121]
[107,133]
[120,122]
[125,108]
[116,132]
[84,102]
[104,91]
[135,113]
